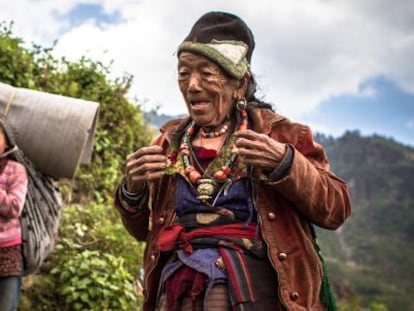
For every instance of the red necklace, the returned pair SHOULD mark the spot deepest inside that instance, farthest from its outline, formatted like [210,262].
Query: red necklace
[207,184]
[212,134]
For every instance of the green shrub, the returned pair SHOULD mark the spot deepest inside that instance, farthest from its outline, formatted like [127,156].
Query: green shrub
[121,128]
[97,227]
[91,235]
[93,280]
[96,265]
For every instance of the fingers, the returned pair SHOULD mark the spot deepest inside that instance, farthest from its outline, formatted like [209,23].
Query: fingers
[249,143]
[250,135]
[145,151]
[145,164]
[258,149]
[145,155]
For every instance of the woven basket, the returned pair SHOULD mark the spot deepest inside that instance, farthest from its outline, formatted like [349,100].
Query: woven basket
[55,132]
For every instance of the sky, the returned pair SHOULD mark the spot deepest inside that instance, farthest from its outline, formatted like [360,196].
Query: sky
[336,65]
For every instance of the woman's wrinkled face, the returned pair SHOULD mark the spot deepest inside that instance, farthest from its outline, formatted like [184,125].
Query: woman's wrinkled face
[207,90]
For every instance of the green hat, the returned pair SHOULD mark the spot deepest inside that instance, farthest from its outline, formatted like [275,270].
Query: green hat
[223,38]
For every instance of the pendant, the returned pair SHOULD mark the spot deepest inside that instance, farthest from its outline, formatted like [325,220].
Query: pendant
[206,188]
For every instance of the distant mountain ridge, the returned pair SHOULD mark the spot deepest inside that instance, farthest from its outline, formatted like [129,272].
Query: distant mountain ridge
[157,120]
[372,255]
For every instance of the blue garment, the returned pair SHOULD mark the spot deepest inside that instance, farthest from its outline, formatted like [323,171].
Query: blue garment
[10,292]
[201,260]
[238,197]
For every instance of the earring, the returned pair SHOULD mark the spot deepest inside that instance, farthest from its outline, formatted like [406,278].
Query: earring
[241,104]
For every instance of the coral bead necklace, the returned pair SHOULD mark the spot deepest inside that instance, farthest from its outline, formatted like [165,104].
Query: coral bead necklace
[206,134]
[207,184]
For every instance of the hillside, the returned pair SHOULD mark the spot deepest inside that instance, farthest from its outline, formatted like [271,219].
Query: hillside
[372,255]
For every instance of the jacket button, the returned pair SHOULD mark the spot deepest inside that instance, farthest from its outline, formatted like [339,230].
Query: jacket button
[282,256]
[161,220]
[152,257]
[294,296]
[271,216]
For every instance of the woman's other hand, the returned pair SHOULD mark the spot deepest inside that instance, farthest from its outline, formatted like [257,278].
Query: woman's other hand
[145,164]
[258,150]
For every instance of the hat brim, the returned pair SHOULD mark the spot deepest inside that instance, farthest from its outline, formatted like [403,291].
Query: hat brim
[231,58]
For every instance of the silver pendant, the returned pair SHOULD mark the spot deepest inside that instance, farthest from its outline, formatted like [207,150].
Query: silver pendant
[206,188]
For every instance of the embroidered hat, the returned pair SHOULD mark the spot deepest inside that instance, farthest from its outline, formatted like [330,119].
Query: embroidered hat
[225,39]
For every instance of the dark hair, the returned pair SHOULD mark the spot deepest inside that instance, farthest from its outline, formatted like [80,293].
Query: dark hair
[252,100]
[8,131]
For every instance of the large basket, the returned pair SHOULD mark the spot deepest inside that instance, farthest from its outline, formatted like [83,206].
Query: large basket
[55,132]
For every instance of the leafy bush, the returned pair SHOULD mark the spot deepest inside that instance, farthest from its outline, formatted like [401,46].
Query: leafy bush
[92,280]
[94,266]
[353,305]
[121,128]
[97,227]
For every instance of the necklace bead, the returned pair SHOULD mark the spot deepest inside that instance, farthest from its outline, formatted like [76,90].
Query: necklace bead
[206,134]
[207,184]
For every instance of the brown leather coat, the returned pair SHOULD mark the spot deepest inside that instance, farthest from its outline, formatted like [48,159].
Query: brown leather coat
[309,193]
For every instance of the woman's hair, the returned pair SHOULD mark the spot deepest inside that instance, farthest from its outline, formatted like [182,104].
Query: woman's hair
[252,100]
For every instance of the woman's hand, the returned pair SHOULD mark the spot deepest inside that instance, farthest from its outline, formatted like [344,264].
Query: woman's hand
[145,164]
[258,150]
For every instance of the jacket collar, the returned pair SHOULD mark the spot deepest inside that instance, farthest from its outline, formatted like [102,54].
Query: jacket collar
[262,120]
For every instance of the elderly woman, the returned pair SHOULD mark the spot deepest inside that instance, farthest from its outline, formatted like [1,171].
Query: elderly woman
[226,197]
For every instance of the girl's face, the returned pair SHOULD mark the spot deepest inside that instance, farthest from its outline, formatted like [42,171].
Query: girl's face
[208,92]
[3,142]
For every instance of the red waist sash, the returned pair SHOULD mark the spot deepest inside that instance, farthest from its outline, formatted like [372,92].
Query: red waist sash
[170,235]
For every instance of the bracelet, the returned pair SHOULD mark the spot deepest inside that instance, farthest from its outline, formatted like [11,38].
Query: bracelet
[132,199]
[284,166]
[131,195]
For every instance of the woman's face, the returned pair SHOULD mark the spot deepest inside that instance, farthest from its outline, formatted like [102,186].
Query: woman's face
[207,90]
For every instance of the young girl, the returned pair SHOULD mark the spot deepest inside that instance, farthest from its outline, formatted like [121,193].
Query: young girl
[13,189]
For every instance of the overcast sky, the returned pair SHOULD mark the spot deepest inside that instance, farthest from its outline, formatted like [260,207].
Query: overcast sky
[335,64]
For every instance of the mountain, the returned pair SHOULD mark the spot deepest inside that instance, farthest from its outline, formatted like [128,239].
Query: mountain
[156,120]
[371,256]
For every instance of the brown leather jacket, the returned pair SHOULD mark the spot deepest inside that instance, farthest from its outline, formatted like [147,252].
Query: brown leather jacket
[309,193]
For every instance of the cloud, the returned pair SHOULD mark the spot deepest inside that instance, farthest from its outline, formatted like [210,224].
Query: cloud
[306,51]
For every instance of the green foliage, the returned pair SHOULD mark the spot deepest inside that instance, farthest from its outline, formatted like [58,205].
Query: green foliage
[97,227]
[96,264]
[353,305]
[121,127]
[16,63]
[92,280]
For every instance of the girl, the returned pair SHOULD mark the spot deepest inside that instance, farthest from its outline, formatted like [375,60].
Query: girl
[13,189]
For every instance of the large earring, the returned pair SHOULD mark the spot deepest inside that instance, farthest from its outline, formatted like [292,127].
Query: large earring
[241,104]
